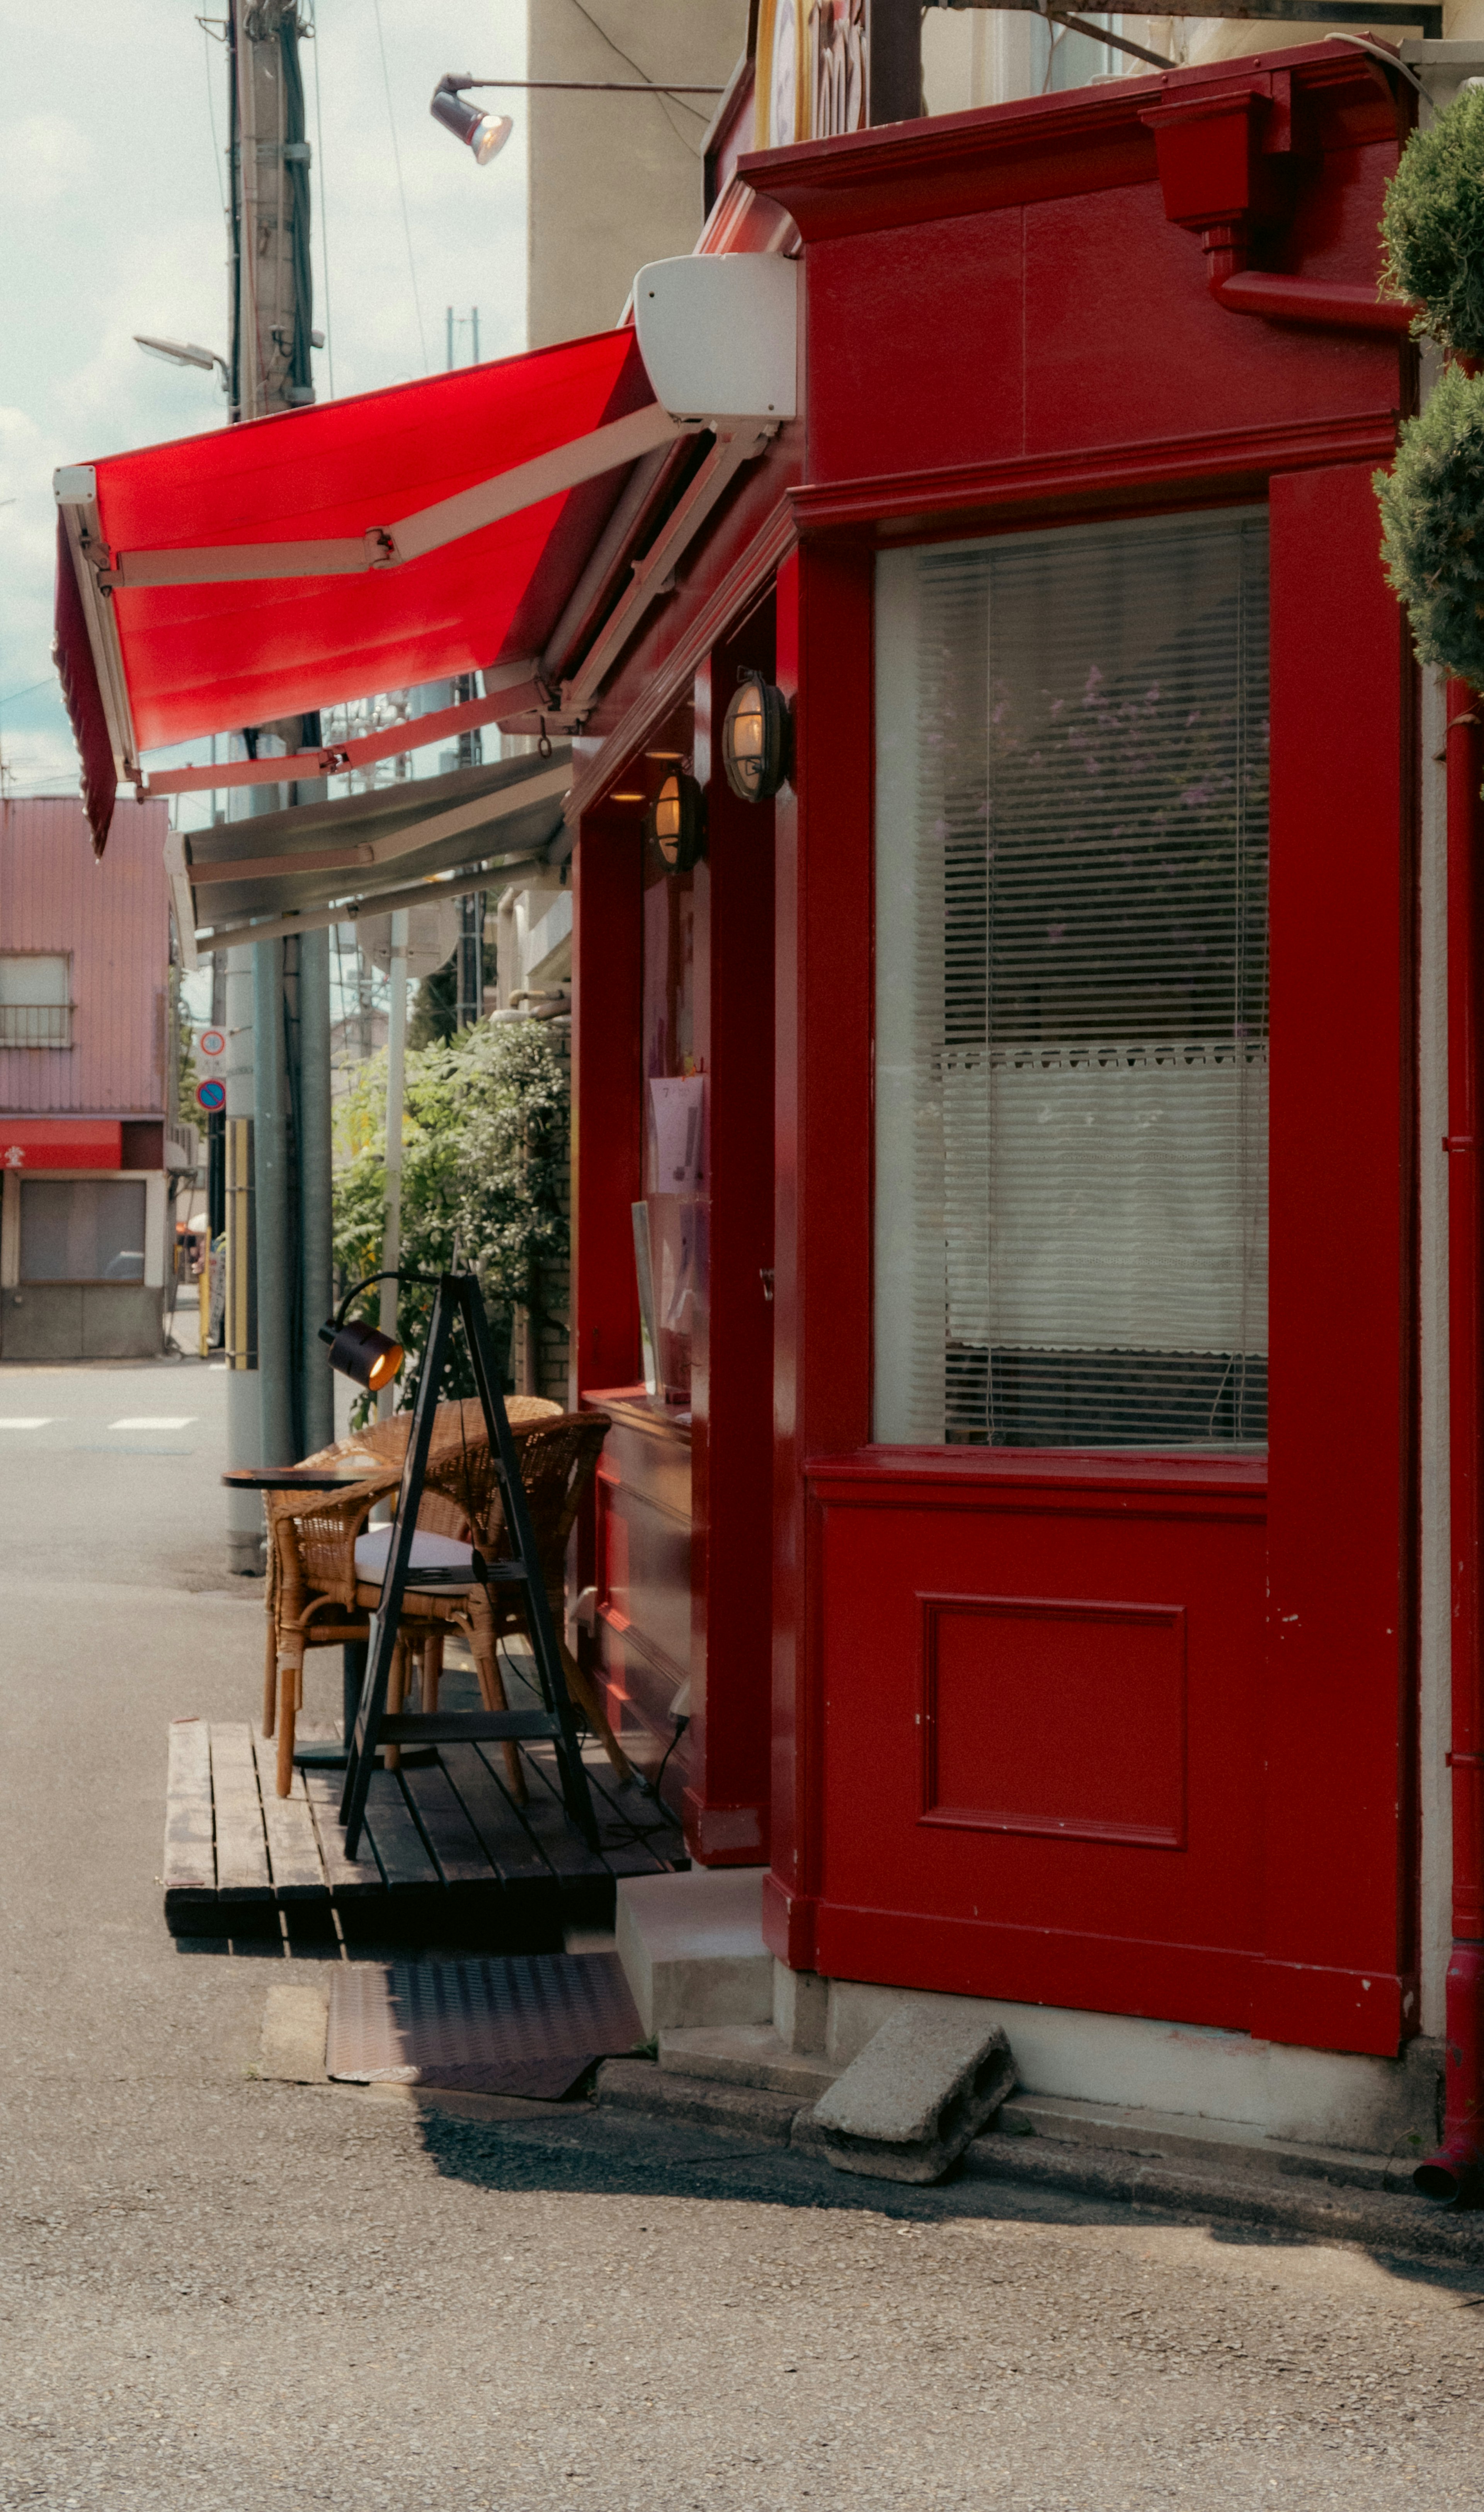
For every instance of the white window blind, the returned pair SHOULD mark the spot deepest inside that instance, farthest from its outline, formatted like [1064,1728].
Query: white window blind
[1072,987]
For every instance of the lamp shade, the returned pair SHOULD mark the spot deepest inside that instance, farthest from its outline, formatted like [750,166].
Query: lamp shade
[359,1349]
[484,133]
[755,739]
[678,822]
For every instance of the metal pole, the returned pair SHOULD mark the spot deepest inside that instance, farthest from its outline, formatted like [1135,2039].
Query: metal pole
[316,1230]
[396,1089]
[271,1164]
[244,1515]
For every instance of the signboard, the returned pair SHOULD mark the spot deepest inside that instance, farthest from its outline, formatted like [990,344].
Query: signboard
[61,1143]
[811,70]
[211,1056]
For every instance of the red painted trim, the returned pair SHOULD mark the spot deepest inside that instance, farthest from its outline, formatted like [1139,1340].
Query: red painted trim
[887,1477]
[1333,306]
[732,1346]
[1201,1985]
[1341,1680]
[607,1098]
[1459,2165]
[822,1150]
[61,1142]
[1162,472]
[940,1815]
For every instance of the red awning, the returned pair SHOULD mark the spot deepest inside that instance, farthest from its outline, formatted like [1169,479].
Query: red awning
[269,569]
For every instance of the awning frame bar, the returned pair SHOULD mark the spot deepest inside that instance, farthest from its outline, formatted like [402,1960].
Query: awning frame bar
[486,811]
[431,527]
[506,691]
[420,893]
[86,546]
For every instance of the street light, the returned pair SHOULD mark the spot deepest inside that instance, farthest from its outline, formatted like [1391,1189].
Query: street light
[182,353]
[484,133]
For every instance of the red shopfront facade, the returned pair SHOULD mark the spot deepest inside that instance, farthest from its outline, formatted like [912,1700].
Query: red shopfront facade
[1030,1671]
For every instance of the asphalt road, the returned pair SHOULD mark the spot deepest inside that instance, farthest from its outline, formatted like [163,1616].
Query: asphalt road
[223,2294]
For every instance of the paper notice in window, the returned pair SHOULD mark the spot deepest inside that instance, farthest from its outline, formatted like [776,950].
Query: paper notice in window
[677,1118]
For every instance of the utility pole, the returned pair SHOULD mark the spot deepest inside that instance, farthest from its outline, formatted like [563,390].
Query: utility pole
[280,992]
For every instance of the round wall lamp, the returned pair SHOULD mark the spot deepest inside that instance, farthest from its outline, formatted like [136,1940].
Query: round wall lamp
[757,743]
[678,822]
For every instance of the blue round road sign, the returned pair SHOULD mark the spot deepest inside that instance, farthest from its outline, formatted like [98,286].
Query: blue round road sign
[211,1096]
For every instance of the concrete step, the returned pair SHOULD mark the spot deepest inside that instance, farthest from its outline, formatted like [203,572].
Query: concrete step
[1216,2179]
[740,2110]
[691,1948]
[1175,2137]
[746,2054]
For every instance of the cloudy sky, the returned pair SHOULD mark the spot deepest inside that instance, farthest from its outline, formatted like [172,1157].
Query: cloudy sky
[111,187]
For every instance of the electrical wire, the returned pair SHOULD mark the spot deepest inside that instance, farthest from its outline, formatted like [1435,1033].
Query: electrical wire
[702,118]
[319,150]
[406,229]
[207,41]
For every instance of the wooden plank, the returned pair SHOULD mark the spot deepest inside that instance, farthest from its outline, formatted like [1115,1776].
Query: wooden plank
[189,1869]
[400,1854]
[457,1851]
[545,1819]
[293,1855]
[515,1855]
[241,1847]
[622,1851]
[355,1879]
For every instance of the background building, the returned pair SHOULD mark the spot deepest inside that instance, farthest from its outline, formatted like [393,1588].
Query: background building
[88,1149]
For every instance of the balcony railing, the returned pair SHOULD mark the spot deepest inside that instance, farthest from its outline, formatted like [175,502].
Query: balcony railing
[35,1024]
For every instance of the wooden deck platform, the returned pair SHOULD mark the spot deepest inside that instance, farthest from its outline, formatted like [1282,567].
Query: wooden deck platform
[447,1857]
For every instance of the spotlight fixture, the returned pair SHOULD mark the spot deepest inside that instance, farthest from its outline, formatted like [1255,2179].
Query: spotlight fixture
[678,822]
[358,1350]
[182,353]
[484,133]
[756,739]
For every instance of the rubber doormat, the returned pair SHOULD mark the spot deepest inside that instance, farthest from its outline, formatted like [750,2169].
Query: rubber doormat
[511,2024]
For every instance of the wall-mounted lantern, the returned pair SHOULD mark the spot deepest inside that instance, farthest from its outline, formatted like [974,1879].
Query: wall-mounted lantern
[678,822]
[756,739]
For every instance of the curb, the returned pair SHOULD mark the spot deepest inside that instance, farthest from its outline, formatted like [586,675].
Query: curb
[1320,2210]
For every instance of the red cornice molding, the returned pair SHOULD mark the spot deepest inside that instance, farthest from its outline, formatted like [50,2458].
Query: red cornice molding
[1041,147]
[1160,470]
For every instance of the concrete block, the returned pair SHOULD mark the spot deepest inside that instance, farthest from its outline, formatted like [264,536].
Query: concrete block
[691,1948]
[926,2084]
[296,2020]
[800,2009]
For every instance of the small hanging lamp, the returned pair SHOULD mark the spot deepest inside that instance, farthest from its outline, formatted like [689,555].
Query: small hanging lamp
[756,743]
[678,822]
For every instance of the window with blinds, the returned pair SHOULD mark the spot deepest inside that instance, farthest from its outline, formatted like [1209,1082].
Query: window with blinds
[1072,988]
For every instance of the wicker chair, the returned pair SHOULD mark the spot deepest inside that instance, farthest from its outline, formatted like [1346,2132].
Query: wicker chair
[325,1558]
[315,1596]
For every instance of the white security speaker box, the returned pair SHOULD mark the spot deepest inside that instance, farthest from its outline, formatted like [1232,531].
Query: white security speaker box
[718,335]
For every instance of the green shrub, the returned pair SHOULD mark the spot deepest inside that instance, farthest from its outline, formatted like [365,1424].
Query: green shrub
[1433,518]
[484,1164]
[1433,227]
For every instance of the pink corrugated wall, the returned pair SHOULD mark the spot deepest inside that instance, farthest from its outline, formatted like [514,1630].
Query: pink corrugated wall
[114,918]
